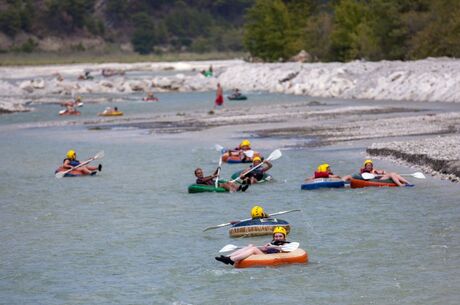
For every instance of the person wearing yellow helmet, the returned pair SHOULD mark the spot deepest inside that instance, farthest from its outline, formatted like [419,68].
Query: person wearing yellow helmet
[279,239]
[71,161]
[245,145]
[210,180]
[324,171]
[368,167]
[258,212]
[250,175]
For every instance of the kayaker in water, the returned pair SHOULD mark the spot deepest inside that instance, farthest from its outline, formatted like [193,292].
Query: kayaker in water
[243,151]
[75,103]
[109,111]
[253,176]
[257,212]
[71,161]
[236,93]
[210,180]
[368,167]
[279,239]
[324,171]
[150,97]
[219,96]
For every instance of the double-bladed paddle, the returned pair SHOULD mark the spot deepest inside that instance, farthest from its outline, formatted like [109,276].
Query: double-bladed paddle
[99,155]
[417,175]
[276,154]
[238,221]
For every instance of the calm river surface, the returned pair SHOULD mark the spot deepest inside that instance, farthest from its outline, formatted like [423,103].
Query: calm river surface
[133,235]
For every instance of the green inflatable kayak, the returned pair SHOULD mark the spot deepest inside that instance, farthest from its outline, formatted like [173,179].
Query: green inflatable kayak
[201,188]
[265,178]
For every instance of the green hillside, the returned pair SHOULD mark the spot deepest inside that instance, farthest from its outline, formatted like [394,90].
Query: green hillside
[272,30]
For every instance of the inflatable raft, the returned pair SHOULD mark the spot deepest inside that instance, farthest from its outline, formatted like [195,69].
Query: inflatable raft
[74,173]
[64,112]
[113,113]
[150,99]
[265,178]
[202,188]
[257,227]
[297,256]
[323,183]
[237,97]
[357,182]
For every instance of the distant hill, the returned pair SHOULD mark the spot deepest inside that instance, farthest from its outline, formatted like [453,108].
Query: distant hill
[141,25]
[274,30]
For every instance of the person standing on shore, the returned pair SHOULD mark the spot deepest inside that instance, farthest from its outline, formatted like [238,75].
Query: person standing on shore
[219,96]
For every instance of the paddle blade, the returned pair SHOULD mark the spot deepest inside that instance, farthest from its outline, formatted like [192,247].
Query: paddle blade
[228,248]
[249,153]
[290,247]
[418,175]
[367,176]
[99,155]
[59,175]
[276,154]
[218,147]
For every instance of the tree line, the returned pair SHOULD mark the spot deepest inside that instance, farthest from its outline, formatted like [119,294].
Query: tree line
[272,30]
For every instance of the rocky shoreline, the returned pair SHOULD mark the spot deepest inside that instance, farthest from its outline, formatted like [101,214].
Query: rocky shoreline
[438,156]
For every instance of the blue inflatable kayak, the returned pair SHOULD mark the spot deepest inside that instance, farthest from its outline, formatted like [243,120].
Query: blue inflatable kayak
[323,183]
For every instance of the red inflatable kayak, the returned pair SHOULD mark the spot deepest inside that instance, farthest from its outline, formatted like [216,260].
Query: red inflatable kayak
[74,173]
[359,183]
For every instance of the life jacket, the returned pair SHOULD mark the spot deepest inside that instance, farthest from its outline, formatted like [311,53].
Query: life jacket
[321,175]
[276,243]
[72,163]
[258,173]
[279,242]
[204,182]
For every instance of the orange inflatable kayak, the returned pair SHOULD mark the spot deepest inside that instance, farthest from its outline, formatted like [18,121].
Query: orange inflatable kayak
[359,183]
[297,256]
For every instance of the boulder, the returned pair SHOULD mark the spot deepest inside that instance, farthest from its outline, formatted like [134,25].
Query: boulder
[303,56]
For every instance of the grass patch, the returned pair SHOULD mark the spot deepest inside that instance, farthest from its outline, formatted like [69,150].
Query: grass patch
[51,58]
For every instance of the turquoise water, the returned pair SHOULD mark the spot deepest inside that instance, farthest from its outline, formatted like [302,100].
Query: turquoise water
[133,235]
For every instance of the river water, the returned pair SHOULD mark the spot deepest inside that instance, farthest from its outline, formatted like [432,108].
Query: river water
[133,235]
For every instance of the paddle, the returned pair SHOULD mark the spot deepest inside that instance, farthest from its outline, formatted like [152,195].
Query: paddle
[285,248]
[99,155]
[276,154]
[417,175]
[238,221]
[218,172]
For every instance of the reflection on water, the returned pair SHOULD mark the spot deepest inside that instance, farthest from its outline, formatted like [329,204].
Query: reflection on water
[133,235]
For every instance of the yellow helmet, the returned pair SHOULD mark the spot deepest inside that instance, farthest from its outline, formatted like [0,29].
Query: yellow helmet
[367,161]
[245,143]
[322,168]
[256,158]
[71,154]
[78,98]
[280,230]
[257,212]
